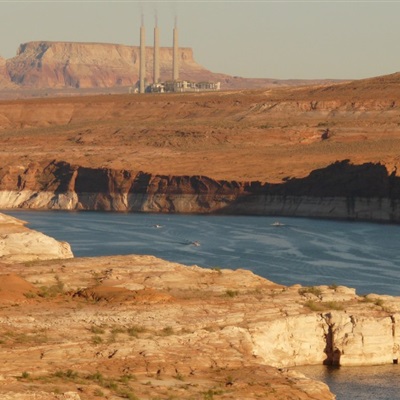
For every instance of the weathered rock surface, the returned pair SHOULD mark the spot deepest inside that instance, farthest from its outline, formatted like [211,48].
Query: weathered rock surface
[342,190]
[4,78]
[18,243]
[5,81]
[145,326]
[91,65]
[34,395]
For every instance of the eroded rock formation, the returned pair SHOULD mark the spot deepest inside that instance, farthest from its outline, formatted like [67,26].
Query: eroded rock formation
[5,81]
[341,190]
[18,243]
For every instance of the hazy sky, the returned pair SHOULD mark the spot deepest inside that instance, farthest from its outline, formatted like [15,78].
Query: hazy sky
[267,39]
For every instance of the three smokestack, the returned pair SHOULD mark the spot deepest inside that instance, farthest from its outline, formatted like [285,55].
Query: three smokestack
[156,56]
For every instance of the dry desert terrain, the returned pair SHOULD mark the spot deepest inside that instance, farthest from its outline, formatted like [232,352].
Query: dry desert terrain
[264,135]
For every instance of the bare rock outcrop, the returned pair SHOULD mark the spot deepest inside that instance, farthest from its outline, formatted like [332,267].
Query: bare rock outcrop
[35,395]
[5,81]
[18,243]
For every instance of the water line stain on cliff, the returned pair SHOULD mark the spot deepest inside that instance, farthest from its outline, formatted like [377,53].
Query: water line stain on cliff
[341,190]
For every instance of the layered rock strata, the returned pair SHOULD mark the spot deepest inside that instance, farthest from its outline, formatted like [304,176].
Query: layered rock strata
[89,65]
[342,190]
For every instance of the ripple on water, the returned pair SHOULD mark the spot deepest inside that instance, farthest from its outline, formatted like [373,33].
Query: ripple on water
[310,252]
[359,383]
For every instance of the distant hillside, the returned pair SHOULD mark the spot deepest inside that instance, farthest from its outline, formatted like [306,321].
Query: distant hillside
[383,88]
[67,65]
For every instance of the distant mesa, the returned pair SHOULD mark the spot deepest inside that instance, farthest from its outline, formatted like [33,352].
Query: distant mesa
[108,68]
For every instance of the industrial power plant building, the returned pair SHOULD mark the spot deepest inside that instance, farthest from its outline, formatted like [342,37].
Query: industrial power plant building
[174,85]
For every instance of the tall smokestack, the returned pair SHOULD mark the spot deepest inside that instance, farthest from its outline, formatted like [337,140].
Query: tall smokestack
[142,65]
[156,56]
[175,56]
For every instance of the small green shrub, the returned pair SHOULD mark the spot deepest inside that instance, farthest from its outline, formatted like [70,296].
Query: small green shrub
[135,330]
[167,331]
[97,377]
[52,291]
[209,395]
[229,380]
[333,286]
[97,339]
[112,338]
[110,384]
[68,374]
[115,330]
[310,289]
[30,295]
[97,330]
[313,306]
[126,378]
[378,302]
[98,393]
[232,293]
[366,299]
[25,375]
[179,377]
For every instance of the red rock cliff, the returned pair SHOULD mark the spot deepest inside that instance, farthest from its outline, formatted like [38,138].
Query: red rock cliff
[341,190]
[92,65]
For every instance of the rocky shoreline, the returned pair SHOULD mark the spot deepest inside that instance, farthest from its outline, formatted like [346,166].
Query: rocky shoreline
[138,326]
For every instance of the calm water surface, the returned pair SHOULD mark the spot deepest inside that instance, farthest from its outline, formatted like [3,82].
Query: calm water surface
[310,252]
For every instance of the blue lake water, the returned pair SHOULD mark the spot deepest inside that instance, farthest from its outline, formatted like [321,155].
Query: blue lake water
[365,256]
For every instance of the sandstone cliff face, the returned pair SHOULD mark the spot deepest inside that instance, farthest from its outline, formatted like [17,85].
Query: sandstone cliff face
[342,190]
[332,338]
[90,65]
[5,81]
